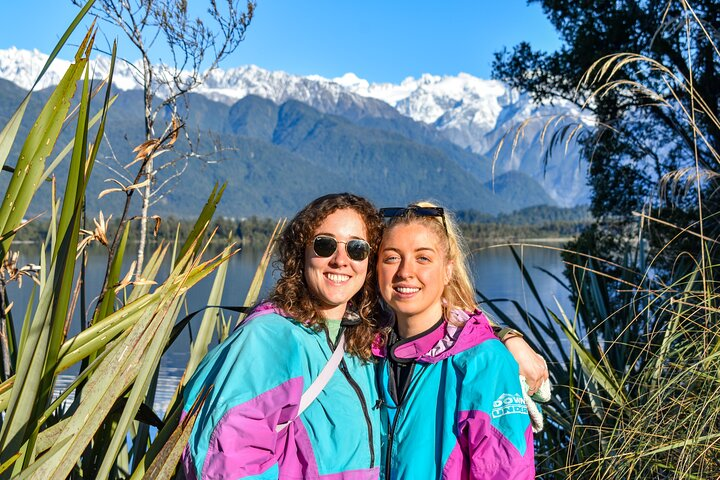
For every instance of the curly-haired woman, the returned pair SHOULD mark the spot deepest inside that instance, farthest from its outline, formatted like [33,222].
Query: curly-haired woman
[259,374]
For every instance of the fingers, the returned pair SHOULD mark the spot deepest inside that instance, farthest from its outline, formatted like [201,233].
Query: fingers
[544,373]
[539,375]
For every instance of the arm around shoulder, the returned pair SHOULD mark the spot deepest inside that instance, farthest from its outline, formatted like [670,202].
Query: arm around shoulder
[493,422]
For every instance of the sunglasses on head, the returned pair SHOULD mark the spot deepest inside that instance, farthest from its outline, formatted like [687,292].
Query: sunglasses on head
[416,210]
[356,249]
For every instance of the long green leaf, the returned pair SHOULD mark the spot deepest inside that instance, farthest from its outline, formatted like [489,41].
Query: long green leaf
[63,39]
[149,364]
[68,148]
[203,219]
[8,134]
[164,450]
[64,259]
[113,377]
[166,461]
[38,145]
[108,302]
[604,377]
[257,281]
[10,461]
[205,332]
[37,364]
[148,369]
[92,339]
[26,382]
[149,273]
[528,279]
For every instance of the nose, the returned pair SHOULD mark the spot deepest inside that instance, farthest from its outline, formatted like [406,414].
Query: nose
[340,257]
[404,270]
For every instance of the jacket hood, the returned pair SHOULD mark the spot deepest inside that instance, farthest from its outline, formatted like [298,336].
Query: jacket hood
[351,317]
[446,338]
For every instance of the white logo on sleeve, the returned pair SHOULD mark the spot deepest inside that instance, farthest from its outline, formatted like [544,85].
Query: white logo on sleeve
[508,404]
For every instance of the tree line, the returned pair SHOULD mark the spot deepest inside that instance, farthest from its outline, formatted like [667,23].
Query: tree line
[479,229]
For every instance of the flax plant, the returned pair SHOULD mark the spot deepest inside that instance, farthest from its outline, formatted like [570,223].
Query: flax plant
[104,432]
[636,363]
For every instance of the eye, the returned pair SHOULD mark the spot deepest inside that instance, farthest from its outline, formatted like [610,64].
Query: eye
[391,258]
[424,259]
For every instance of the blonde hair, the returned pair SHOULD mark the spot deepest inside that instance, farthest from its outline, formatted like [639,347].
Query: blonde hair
[459,292]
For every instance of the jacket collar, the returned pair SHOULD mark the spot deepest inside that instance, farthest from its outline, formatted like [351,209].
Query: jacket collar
[405,350]
[440,341]
[351,317]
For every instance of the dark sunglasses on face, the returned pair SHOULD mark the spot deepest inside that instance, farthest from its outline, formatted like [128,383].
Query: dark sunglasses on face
[417,211]
[356,249]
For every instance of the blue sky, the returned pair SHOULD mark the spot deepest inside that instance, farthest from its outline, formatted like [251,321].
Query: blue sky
[379,40]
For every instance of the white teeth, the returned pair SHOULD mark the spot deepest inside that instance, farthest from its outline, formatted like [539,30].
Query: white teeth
[334,277]
[407,290]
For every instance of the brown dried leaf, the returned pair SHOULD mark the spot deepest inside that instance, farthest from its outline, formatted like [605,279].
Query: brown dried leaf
[158,221]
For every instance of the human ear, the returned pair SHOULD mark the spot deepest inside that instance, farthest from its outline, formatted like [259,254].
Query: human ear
[449,268]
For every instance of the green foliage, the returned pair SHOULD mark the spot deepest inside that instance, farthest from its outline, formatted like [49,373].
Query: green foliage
[649,72]
[532,223]
[104,432]
[480,229]
[635,364]
[636,391]
[246,232]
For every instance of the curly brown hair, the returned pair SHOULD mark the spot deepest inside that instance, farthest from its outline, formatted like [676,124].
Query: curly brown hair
[291,292]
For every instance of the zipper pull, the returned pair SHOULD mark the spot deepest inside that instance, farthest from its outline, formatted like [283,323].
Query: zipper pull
[378,403]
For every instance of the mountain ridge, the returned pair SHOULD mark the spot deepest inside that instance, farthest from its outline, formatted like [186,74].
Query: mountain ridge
[412,114]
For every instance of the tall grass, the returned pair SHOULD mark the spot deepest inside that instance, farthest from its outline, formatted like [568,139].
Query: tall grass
[105,431]
[637,393]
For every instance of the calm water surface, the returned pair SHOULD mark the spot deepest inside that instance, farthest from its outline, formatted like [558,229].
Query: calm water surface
[496,276]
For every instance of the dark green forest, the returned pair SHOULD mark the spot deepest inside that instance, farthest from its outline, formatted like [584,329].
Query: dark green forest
[636,396]
[479,229]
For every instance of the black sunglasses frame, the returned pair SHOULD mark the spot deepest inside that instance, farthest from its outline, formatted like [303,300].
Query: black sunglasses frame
[393,212]
[349,250]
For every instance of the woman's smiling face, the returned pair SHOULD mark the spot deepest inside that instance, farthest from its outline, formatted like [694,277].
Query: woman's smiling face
[412,275]
[334,280]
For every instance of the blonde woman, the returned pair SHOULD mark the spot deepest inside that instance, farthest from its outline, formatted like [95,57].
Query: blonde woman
[453,405]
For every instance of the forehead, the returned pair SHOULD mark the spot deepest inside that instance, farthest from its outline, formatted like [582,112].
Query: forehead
[345,222]
[412,235]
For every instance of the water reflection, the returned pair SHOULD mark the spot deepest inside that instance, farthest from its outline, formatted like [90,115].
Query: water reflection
[496,276]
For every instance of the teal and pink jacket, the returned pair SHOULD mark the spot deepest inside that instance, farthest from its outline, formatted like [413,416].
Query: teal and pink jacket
[461,414]
[258,376]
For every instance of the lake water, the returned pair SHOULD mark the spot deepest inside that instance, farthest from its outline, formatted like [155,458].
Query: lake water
[495,270]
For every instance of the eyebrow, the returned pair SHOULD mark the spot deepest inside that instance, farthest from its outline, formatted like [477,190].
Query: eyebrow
[421,249]
[328,234]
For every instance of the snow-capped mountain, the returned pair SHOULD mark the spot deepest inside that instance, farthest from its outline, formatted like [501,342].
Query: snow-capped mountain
[483,116]
[23,66]
[488,118]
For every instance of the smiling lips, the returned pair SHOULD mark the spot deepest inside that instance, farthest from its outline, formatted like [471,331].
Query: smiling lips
[337,277]
[406,290]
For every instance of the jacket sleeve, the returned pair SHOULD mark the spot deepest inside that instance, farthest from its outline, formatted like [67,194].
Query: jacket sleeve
[257,381]
[493,425]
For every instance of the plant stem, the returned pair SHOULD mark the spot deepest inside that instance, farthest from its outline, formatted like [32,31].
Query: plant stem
[4,346]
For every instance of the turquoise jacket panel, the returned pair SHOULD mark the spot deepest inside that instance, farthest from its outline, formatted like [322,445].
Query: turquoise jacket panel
[257,377]
[463,415]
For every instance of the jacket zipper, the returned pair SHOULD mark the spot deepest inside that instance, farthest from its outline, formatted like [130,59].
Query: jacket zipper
[400,403]
[390,438]
[361,397]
